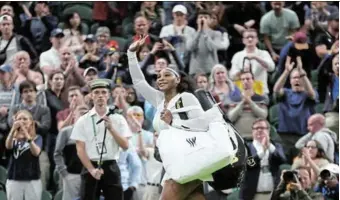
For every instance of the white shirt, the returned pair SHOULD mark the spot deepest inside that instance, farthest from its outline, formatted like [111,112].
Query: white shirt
[153,168]
[83,131]
[266,180]
[10,51]
[171,30]
[260,73]
[50,58]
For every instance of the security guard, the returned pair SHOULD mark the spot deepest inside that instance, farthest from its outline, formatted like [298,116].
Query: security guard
[89,138]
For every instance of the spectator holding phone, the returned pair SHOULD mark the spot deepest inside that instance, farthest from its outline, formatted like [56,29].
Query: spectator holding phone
[329,183]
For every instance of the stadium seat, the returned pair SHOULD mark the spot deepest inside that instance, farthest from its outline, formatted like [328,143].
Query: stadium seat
[319,108]
[84,12]
[46,195]
[56,177]
[235,195]
[94,28]
[85,27]
[58,195]
[3,195]
[285,167]
[3,175]
[122,42]
[274,135]
[274,115]
[314,78]
[67,4]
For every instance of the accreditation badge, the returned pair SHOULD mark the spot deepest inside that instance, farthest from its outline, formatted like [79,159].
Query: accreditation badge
[100,146]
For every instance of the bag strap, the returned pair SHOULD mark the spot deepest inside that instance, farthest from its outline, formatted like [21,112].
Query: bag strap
[9,42]
[185,109]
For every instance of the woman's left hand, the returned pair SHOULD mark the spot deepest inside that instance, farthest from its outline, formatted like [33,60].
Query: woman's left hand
[25,131]
[166,116]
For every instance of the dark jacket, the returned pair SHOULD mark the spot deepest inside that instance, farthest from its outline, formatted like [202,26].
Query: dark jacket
[23,44]
[249,186]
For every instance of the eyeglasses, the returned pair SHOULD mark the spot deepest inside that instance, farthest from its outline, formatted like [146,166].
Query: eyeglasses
[311,147]
[259,128]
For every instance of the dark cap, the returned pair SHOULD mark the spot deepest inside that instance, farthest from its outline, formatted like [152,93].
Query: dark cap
[58,32]
[87,70]
[100,83]
[6,68]
[333,16]
[90,38]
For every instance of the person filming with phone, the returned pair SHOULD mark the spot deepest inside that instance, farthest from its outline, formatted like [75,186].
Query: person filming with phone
[296,185]
[329,181]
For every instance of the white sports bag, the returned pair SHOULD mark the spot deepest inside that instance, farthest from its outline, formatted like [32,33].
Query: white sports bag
[189,155]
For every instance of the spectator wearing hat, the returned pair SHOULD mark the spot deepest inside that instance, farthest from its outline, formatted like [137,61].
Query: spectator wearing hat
[329,184]
[38,26]
[276,26]
[99,155]
[178,33]
[204,44]
[12,43]
[260,60]
[50,59]
[92,55]
[325,40]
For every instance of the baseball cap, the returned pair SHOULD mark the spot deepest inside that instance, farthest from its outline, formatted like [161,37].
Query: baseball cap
[5,17]
[57,32]
[300,40]
[90,38]
[333,16]
[180,8]
[87,70]
[6,68]
[333,168]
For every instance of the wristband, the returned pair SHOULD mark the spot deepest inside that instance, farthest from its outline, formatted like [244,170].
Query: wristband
[29,141]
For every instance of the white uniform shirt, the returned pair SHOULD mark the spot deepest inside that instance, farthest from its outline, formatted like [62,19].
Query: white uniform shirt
[153,168]
[83,131]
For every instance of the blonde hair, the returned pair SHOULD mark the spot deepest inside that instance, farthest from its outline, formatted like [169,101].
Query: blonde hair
[31,130]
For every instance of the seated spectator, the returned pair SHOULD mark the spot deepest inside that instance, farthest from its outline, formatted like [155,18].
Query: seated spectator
[103,36]
[276,26]
[42,119]
[23,181]
[245,108]
[9,92]
[154,14]
[38,25]
[66,159]
[296,105]
[130,168]
[92,55]
[331,108]
[21,67]
[11,43]
[311,156]
[222,88]
[74,33]
[262,174]
[329,183]
[131,97]
[178,33]
[318,132]
[66,117]
[204,44]
[260,60]
[202,81]
[298,188]
[50,59]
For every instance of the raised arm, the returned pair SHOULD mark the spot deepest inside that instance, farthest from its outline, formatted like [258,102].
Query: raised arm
[149,93]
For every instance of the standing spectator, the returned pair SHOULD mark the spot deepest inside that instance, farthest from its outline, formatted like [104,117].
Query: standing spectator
[141,27]
[276,26]
[38,26]
[75,98]
[12,43]
[318,132]
[296,105]
[260,61]
[244,109]
[203,45]
[42,119]
[23,180]
[50,59]
[154,14]
[74,33]
[67,162]
[262,174]
[178,33]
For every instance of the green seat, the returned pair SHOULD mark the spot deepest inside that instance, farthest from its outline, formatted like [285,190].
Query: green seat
[84,12]
[66,4]
[122,42]
[314,78]
[94,28]
[3,195]
[319,108]
[274,135]
[285,167]
[274,115]
[3,175]
[235,195]
[85,27]
[46,195]
[56,177]
[58,195]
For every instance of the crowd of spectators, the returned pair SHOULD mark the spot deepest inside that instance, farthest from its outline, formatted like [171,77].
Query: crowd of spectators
[273,66]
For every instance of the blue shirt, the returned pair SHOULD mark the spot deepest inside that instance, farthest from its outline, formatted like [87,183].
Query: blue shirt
[329,193]
[130,168]
[294,110]
[23,165]
[335,88]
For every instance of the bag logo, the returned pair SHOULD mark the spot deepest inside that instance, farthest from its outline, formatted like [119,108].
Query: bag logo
[192,141]
[251,161]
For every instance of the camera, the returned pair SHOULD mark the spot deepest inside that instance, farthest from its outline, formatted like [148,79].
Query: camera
[327,175]
[289,176]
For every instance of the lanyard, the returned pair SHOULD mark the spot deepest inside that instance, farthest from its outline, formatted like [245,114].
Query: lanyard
[94,128]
